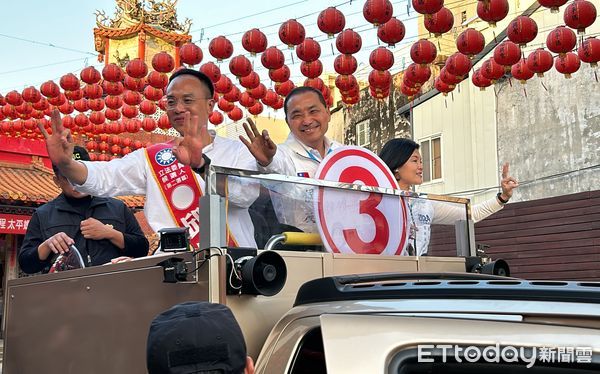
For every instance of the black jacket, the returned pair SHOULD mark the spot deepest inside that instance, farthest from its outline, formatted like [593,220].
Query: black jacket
[61,215]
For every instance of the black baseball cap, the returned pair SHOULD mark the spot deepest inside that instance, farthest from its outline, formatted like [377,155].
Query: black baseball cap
[79,154]
[195,336]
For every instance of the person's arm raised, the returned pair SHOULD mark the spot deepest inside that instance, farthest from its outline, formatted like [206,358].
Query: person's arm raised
[260,145]
[60,150]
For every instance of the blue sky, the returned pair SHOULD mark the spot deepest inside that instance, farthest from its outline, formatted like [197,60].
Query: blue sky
[29,27]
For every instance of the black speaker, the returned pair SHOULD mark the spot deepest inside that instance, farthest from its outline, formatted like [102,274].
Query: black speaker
[264,274]
[498,267]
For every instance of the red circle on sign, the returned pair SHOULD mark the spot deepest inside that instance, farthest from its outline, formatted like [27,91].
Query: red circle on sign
[361,172]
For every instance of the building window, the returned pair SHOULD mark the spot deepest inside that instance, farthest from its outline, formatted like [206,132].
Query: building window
[463,17]
[363,133]
[431,151]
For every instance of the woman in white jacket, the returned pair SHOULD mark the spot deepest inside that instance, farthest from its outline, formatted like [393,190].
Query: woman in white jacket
[403,158]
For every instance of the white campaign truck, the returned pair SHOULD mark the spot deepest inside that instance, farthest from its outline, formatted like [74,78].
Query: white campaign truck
[304,309]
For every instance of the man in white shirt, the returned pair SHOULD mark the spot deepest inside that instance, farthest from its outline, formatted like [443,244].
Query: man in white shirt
[307,115]
[189,104]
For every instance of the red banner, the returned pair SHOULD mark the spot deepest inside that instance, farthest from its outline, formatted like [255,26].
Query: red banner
[13,223]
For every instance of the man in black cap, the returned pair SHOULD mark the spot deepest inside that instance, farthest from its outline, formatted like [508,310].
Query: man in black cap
[196,338]
[100,228]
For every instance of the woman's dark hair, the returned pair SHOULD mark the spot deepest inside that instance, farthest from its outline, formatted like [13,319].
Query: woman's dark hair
[396,152]
[198,74]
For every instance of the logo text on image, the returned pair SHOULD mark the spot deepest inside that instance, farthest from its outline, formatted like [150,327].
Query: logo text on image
[507,354]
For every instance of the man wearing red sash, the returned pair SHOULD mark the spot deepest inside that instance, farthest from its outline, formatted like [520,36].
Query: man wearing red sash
[168,174]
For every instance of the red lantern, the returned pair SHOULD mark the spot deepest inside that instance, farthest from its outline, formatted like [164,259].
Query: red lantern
[309,50]
[316,83]
[233,94]
[442,86]
[348,42]
[113,73]
[284,88]
[81,120]
[235,114]
[272,58]
[14,98]
[311,69]
[331,21]
[149,124]
[418,74]
[381,59]
[270,98]
[57,100]
[157,80]
[48,89]
[579,15]
[163,62]
[220,48]
[225,105]
[113,102]
[251,80]
[97,118]
[391,32]
[132,97]
[378,12]
[216,118]
[240,66]
[110,88]
[458,64]
[280,75]
[254,41]
[24,109]
[492,70]
[96,104]
[521,72]
[380,79]
[90,75]
[427,6]
[561,40]
[409,91]
[507,54]
[470,42]
[73,95]
[190,54]
[522,30]
[423,52]
[492,11]
[350,100]
[440,22]
[112,114]
[163,123]
[69,82]
[345,64]
[567,64]
[540,61]
[136,68]
[346,83]
[212,71]
[129,111]
[378,94]
[66,108]
[256,109]
[480,81]
[258,92]
[589,51]
[223,85]
[147,107]
[133,83]
[291,33]
[81,105]
[92,91]
[552,4]
[31,95]
[153,94]
[91,146]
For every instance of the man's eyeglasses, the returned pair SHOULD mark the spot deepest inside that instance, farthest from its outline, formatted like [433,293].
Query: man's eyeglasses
[186,102]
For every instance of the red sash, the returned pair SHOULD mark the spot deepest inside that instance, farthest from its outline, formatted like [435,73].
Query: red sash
[179,187]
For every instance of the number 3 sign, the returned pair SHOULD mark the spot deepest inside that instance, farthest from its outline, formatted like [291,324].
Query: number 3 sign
[356,221]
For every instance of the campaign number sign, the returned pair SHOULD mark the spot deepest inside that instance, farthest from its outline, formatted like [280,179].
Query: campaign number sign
[356,221]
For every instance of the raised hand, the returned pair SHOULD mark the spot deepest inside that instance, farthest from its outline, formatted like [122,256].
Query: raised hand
[507,183]
[60,143]
[188,150]
[260,145]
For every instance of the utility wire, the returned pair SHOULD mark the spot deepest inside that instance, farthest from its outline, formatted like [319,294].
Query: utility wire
[47,44]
